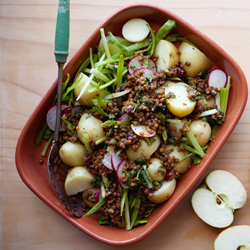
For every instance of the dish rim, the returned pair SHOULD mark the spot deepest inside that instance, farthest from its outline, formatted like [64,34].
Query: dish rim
[209,159]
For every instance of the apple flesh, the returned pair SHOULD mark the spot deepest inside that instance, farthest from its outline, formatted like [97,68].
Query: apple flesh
[233,238]
[215,201]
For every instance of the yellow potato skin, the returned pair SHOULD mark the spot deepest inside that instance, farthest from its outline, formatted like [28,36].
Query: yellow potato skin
[86,97]
[183,166]
[193,59]
[144,150]
[164,192]
[167,55]
[91,126]
[153,170]
[201,131]
[72,154]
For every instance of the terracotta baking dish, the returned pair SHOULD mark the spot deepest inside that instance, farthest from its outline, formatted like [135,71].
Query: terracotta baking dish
[28,155]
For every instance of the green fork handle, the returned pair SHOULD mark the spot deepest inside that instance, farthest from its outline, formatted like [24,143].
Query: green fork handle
[61,53]
[62,32]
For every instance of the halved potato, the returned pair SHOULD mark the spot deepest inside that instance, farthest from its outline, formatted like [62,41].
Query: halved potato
[78,179]
[135,30]
[193,59]
[146,148]
[167,55]
[179,103]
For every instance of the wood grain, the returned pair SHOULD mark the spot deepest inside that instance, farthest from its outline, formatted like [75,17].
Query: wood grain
[27,70]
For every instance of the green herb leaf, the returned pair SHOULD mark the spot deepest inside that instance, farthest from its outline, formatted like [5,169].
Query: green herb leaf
[96,207]
[124,197]
[146,179]
[164,135]
[85,138]
[164,30]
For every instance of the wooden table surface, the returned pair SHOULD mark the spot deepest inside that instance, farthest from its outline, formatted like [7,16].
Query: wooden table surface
[27,70]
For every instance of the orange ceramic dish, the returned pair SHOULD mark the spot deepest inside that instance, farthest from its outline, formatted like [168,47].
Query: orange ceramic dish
[28,155]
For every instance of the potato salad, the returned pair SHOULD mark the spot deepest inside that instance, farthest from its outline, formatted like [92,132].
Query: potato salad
[140,111]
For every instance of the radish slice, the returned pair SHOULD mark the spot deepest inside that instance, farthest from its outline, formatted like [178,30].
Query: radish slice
[76,109]
[135,30]
[217,79]
[119,173]
[98,194]
[143,131]
[51,117]
[115,161]
[107,161]
[135,63]
[124,118]
[145,72]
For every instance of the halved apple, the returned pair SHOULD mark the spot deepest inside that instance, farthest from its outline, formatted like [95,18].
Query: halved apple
[215,201]
[233,238]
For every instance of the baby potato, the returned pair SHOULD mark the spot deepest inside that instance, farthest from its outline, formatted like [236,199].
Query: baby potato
[201,131]
[164,192]
[193,59]
[167,53]
[156,170]
[91,126]
[174,128]
[86,97]
[179,103]
[146,148]
[77,180]
[180,167]
[72,154]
